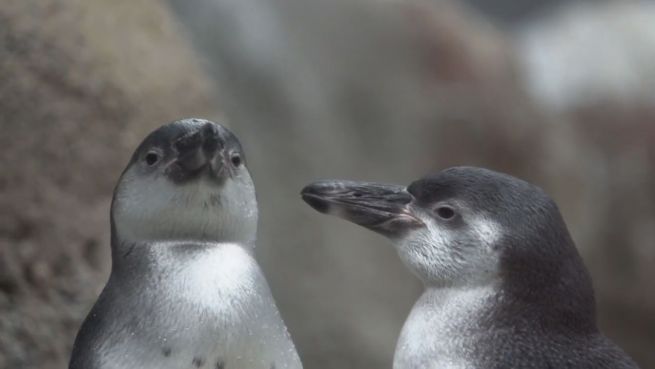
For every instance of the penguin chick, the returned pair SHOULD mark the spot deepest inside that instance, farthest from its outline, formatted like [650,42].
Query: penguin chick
[185,290]
[504,284]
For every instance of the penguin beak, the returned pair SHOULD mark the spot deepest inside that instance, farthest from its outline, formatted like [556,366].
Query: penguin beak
[382,208]
[199,152]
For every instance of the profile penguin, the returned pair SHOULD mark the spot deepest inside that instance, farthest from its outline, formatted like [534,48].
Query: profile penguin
[504,284]
[185,290]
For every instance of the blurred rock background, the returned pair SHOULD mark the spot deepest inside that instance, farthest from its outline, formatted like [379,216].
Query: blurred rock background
[559,92]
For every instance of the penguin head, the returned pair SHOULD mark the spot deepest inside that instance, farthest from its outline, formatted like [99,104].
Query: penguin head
[461,226]
[186,181]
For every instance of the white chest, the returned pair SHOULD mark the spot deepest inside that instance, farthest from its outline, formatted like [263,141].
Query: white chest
[436,334]
[214,311]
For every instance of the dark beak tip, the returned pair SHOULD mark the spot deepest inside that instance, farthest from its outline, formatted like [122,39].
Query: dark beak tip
[307,190]
[316,202]
[210,130]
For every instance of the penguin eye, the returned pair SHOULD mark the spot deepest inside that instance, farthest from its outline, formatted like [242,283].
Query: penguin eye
[152,158]
[236,159]
[445,212]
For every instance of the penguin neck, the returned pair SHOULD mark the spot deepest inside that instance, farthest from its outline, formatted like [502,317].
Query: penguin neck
[143,259]
[547,301]
[443,324]
[459,300]
[553,289]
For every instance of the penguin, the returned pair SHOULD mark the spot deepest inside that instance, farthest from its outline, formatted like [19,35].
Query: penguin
[185,290]
[504,284]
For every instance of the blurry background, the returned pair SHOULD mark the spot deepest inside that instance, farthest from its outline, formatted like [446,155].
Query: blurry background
[561,93]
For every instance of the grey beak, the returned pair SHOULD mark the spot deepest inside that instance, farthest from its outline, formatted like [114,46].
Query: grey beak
[382,208]
[196,152]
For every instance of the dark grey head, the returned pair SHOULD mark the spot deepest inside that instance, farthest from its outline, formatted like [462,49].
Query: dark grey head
[467,226]
[187,180]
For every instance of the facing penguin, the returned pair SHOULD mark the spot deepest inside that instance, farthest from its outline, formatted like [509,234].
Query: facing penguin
[185,290]
[504,284]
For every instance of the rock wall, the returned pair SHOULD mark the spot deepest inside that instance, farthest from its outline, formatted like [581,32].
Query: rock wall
[82,83]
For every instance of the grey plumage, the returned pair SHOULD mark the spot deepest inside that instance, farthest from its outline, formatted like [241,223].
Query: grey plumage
[504,284]
[185,290]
